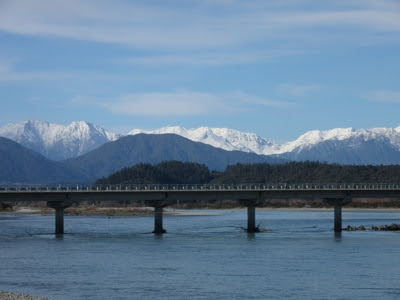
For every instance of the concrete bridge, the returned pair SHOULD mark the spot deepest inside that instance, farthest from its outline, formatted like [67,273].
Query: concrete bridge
[159,196]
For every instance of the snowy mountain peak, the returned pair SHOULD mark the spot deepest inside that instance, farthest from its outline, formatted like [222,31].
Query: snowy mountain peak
[315,137]
[342,145]
[224,138]
[58,141]
[230,139]
[168,129]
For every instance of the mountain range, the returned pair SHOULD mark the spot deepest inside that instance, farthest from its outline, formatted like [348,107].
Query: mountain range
[56,141]
[36,152]
[341,145]
[21,165]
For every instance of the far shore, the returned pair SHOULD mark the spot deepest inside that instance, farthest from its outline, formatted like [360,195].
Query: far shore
[142,211]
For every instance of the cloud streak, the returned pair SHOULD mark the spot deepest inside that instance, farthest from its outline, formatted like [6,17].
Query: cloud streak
[298,90]
[8,73]
[228,30]
[383,96]
[186,103]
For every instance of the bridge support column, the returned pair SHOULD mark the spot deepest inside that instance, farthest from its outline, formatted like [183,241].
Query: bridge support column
[158,220]
[59,206]
[251,214]
[251,218]
[338,203]
[158,214]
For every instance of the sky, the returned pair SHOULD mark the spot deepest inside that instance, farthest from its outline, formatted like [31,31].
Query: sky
[274,68]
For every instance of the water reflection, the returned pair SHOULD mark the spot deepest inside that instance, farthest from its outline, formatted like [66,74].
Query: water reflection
[338,236]
[251,235]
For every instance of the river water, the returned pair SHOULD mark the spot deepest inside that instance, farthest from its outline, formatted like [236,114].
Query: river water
[202,257]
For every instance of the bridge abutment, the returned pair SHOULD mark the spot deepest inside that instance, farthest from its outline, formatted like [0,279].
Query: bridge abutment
[59,207]
[338,203]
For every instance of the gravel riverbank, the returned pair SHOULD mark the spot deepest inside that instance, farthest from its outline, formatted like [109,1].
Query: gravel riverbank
[17,296]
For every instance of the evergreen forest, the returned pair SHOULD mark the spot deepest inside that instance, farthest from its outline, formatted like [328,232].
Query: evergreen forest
[177,172]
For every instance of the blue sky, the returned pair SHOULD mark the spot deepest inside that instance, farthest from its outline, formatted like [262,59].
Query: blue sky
[275,68]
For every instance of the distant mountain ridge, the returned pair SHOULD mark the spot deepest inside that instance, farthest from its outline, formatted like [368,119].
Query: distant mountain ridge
[56,141]
[20,165]
[224,138]
[153,148]
[230,139]
[24,166]
[340,145]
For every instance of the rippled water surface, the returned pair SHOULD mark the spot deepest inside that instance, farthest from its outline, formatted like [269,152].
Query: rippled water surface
[202,257]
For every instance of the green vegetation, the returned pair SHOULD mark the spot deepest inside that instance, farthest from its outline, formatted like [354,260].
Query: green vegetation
[175,172]
[292,172]
[168,172]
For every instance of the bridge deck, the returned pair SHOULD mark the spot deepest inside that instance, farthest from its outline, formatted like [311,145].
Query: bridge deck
[195,192]
[208,187]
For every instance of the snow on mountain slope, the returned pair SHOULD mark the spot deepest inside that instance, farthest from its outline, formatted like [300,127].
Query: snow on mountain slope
[313,145]
[341,145]
[312,138]
[224,138]
[56,141]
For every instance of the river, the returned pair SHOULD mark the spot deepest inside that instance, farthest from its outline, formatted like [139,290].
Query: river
[203,256]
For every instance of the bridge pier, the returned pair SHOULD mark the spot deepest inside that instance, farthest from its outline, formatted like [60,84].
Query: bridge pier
[158,206]
[59,207]
[251,214]
[338,203]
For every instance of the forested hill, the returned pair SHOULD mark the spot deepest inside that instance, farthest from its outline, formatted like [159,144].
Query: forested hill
[169,172]
[293,172]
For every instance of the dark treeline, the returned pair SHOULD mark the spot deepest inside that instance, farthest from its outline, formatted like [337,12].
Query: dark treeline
[292,172]
[309,172]
[169,172]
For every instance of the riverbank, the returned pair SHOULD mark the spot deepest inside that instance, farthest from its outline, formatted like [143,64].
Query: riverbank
[17,296]
[143,211]
[109,211]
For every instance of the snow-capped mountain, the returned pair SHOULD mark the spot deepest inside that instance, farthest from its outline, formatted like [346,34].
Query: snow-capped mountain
[224,138]
[229,139]
[346,146]
[340,145]
[56,141]
[312,138]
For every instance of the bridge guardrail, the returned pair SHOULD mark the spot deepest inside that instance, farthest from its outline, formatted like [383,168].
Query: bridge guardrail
[206,187]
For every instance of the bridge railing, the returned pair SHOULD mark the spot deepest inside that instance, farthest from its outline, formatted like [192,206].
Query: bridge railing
[206,187]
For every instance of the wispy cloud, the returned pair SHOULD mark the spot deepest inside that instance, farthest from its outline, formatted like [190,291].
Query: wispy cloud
[244,98]
[298,90]
[383,96]
[229,30]
[186,103]
[8,73]
[215,58]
